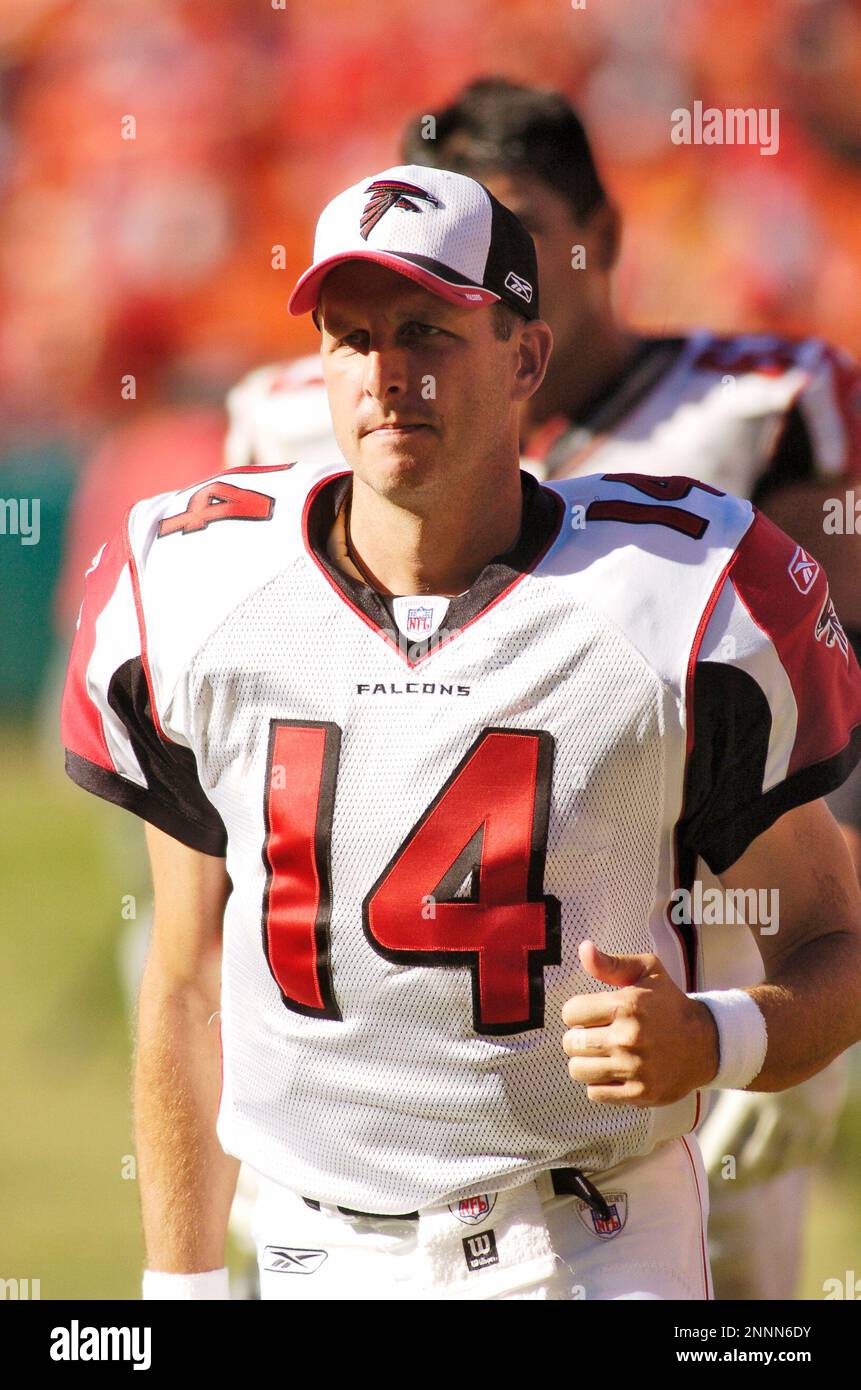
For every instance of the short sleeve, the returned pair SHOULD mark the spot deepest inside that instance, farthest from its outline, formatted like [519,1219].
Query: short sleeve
[820,438]
[773,705]
[114,744]
[828,408]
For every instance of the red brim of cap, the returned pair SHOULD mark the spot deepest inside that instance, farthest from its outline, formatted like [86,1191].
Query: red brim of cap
[307,292]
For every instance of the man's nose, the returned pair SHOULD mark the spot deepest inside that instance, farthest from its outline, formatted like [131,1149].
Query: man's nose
[385,375]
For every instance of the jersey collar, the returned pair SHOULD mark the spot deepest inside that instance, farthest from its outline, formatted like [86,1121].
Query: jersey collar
[543,511]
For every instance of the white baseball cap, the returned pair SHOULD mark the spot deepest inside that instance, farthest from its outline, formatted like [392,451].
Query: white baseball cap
[443,230]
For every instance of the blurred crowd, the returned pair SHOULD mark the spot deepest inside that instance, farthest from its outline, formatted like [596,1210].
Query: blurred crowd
[145,247]
[154,152]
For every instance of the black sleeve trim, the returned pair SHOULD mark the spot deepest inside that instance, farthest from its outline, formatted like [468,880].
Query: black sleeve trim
[207,838]
[808,784]
[727,767]
[173,798]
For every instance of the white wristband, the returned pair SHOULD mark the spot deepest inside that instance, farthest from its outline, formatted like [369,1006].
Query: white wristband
[212,1284]
[742,1037]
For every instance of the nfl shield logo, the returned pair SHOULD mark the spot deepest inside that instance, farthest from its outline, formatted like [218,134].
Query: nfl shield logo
[609,1225]
[472,1210]
[419,619]
[605,1227]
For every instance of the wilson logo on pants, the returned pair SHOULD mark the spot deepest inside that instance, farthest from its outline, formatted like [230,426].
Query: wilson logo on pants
[480,1251]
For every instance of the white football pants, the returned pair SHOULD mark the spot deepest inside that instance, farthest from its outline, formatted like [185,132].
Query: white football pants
[528,1243]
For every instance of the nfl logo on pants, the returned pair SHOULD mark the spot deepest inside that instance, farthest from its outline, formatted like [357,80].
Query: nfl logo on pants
[605,1226]
[471,1210]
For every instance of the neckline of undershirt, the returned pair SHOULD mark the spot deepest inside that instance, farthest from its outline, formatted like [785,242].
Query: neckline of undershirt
[543,510]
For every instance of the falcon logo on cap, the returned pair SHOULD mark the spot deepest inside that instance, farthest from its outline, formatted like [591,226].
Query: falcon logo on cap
[391,193]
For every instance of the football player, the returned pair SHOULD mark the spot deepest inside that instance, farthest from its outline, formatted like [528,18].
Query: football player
[444,743]
[766,418]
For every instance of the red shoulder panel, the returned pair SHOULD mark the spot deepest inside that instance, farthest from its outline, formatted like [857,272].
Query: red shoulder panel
[80,720]
[785,591]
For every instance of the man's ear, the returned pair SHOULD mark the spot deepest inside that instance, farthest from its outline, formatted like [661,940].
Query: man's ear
[315,315]
[605,231]
[533,349]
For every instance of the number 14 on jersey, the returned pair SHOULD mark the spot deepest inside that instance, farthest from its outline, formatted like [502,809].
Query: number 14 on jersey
[487,823]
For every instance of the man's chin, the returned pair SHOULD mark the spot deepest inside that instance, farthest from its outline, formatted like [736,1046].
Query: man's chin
[398,457]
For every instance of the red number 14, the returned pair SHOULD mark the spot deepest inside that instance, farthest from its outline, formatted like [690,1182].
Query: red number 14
[488,824]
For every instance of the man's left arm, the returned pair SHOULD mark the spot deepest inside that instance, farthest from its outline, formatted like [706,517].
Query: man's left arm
[645,1042]
[773,723]
[811,997]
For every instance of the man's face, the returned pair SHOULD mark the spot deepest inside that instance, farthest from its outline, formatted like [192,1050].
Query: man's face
[566,293]
[421,391]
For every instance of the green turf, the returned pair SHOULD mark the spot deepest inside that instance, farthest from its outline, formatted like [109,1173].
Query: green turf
[69,1218]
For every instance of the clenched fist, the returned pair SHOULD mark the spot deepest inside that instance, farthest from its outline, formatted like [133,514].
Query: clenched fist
[644,1042]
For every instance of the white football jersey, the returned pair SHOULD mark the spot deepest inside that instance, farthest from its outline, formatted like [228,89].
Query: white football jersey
[419,833]
[278,414]
[743,413]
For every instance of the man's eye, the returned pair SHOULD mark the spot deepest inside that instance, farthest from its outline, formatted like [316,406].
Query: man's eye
[358,339]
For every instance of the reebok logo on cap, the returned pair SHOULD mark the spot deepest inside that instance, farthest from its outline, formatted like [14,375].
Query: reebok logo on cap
[519,286]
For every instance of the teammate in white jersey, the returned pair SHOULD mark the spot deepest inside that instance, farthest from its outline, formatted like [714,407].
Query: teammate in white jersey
[766,418]
[445,742]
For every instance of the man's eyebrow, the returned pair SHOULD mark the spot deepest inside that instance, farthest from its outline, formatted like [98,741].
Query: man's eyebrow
[334,322]
[331,320]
